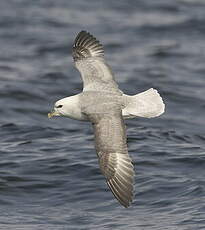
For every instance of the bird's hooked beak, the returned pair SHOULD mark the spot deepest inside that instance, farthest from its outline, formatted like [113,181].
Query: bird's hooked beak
[53,114]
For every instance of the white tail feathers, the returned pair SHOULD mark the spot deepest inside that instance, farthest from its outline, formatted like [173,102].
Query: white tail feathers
[146,104]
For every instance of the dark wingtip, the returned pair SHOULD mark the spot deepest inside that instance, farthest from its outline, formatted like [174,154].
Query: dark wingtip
[86,45]
[125,201]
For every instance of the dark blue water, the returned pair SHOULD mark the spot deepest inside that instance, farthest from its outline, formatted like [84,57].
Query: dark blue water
[49,174]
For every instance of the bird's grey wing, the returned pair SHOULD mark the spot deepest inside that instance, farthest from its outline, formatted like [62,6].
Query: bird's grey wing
[111,148]
[88,55]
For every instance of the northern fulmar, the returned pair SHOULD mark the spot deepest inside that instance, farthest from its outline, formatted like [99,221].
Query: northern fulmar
[103,104]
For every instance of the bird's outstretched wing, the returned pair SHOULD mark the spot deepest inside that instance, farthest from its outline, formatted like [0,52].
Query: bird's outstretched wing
[111,147]
[88,55]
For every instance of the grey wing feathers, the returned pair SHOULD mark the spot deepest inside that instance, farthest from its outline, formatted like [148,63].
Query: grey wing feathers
[85,46]
[119,175]
[115,163]
[89,59]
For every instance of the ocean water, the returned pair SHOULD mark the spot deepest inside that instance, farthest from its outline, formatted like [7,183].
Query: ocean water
[49,173]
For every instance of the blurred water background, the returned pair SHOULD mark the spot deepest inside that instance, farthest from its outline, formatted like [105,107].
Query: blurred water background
[49,174]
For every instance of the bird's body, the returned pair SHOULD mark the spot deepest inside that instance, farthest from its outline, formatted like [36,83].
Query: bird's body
[146,104]
[103,104]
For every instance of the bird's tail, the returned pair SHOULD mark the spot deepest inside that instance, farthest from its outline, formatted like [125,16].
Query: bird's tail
[146,104]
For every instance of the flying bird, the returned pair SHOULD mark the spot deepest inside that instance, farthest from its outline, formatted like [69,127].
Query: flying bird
[103,104]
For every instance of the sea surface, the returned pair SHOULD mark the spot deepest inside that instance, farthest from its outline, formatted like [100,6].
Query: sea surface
[49,173]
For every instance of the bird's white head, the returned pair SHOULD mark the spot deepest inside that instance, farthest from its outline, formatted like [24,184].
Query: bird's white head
[60,108]
[68,107]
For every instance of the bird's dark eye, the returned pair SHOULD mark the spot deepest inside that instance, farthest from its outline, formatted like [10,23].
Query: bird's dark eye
[59,106]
